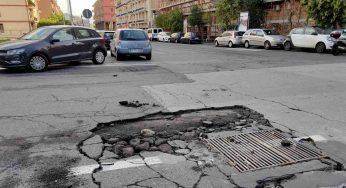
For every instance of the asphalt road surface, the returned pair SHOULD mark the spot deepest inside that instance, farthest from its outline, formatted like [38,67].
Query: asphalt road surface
[43,116]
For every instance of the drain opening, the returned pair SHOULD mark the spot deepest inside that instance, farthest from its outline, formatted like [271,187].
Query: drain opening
[262,149]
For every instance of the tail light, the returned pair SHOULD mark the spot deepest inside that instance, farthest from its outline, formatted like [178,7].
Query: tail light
[103,40]
[235,34]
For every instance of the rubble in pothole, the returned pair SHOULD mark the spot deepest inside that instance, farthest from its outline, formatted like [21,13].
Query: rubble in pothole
[173,132]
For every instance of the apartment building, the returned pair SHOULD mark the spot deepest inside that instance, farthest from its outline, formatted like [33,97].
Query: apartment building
[283,15]
[104,14]
[17,17]
[47,7]
[135,13]
[210,30]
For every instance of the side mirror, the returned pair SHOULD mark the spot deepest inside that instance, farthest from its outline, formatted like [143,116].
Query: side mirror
[54,41]
[314,33]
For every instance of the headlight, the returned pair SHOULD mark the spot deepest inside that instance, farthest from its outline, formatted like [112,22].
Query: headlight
[329,39]
[15,52]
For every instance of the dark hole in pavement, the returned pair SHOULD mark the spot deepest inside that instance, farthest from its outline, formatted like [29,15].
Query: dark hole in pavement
[171,132]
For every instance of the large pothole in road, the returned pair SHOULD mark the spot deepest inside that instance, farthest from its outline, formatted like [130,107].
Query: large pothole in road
[173,132]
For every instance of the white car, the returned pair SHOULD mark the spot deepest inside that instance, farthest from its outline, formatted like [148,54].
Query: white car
[309,37]
[153,32]
[163,36]
[229,38]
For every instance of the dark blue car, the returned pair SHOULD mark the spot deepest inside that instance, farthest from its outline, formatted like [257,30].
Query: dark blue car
[53,45]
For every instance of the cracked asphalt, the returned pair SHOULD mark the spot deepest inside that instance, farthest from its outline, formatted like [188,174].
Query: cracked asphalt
[44,116]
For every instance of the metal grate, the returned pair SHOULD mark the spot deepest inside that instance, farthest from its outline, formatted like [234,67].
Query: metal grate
[262,149]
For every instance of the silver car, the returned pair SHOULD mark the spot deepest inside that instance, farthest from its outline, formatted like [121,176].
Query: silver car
[262,37]
[229,38]
[130,42]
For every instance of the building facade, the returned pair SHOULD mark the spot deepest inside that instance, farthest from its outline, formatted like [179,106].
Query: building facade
[104,14]
[47,7]
[210,29]
[17,17]
[284,15]
[136,13]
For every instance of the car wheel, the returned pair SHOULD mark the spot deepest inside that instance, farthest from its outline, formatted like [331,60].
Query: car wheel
[247,44]
[99,57]
[287,46]
[267,45]
[148,57]
[38,63]
[335,50]
[119,57]
[320,47]
[216,43]
[230,44]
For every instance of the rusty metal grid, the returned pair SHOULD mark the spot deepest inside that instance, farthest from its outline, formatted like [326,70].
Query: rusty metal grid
[262,149]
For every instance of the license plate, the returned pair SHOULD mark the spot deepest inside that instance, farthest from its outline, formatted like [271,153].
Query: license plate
[136,51]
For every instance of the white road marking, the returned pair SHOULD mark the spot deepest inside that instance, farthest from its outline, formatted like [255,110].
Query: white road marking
[316,138]
[121,164]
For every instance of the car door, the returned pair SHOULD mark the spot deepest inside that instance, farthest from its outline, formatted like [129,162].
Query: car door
[223,38]
[310,37]
[297,37]
[83,43]
[252,37]
[62,48]
[260,39]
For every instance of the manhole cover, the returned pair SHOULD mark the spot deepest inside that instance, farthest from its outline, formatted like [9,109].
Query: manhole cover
[262,149]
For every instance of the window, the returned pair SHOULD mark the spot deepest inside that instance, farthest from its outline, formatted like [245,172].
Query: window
[155,31]
[64,35]
[298,31]
[2,30]
[82,34]
[270,32]
[309,31]
[224,34]
[240,33]
[259,33]
[133,35]
[149,30]
[253,33]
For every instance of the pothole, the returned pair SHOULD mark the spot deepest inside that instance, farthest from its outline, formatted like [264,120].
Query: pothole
[173,132]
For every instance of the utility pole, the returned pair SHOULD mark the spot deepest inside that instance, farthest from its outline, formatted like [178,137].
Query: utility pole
[70,11]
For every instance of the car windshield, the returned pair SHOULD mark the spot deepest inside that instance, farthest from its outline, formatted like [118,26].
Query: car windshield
[39,34]
[109,35]
[133,35]
[270,32]
[194,35]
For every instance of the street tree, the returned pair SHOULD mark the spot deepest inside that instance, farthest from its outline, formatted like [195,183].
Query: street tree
[53,19]
[331,13]
[176,19]
[228,10]
[196,18]
[162,21]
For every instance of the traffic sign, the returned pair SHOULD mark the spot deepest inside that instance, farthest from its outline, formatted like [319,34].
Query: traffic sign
[87,13]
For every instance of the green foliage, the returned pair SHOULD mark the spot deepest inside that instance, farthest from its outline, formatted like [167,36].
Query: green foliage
[176,19]
[196,17]
[172,20]
[228,10]
[54,19]
[256,12]
[327,13]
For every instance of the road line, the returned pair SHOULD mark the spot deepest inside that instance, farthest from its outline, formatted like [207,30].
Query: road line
[117,165]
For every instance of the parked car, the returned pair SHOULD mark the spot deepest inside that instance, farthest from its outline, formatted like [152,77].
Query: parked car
[262,37]
[153,32]
[339,39]
[229,38]
[309,37]
[191,38]
[175,37]
[108,36]
[163,36]
[53,45]
[130,42]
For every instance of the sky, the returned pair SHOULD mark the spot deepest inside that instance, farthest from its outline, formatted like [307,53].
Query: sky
[77,6]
